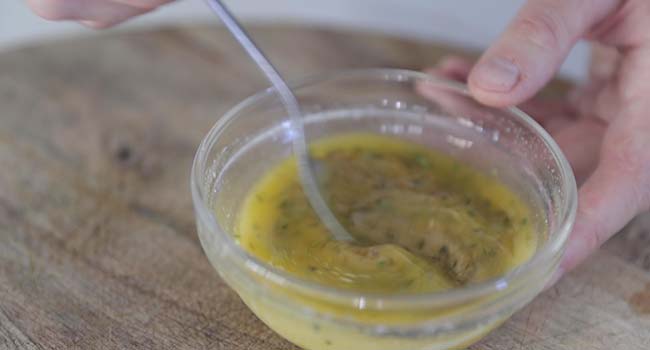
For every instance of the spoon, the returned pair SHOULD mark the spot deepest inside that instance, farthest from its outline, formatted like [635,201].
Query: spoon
[306,165]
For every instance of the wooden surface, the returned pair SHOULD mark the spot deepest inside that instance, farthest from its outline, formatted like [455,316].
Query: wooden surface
[98,248]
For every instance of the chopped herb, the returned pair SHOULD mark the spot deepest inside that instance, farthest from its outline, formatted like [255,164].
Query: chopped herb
[488,251]
[524,221]
[328,342]
[420,244]
[384,203]
[259,198]
[390,236]
[237,236]
[422,161]
[381,263]
[471,213]
[284,204]
[443,250]
[408,282]
[313,268]
[370,155]
[362,238]
[316,327]
[317,244]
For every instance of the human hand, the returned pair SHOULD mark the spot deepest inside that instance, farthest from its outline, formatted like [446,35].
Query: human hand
[604,126]
[94,13]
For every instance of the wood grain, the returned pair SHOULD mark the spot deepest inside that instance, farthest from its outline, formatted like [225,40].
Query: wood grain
[98,248]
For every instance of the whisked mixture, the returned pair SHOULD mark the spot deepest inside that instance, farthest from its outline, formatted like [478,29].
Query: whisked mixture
[422,221]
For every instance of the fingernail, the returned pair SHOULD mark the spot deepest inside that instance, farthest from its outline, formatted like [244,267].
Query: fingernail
[496,74]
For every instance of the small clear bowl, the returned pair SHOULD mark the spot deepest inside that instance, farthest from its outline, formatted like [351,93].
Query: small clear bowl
[256,135]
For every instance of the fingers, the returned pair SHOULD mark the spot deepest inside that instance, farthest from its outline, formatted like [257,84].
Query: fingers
[143,4]
[581,141]
[452,67]
[617,191]
[605,62]
[450,101]
[626,27]
[626,90]
[94,13]
[603,69]
[455,68]
[552,114]
[83,10]
[530,51]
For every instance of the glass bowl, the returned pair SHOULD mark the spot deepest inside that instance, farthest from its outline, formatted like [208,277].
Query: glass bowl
[256,135]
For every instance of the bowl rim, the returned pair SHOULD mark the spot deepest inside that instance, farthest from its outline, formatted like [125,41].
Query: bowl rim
[544,259]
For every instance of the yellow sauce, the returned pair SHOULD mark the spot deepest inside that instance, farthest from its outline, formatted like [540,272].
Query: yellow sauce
[422,222]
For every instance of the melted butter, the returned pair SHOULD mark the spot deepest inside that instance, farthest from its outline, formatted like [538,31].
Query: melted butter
[422,221]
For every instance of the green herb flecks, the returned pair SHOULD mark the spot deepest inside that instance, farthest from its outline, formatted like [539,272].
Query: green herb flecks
[422,161]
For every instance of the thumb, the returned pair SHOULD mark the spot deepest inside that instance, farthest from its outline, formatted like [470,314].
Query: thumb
[532,48]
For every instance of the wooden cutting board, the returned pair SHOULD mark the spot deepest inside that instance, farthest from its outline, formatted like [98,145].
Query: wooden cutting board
[98,248]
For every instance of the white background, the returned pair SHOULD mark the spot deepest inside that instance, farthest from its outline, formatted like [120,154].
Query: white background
[470,23]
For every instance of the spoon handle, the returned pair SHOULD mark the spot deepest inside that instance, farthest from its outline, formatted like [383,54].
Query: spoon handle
[290,103]
[242,37]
